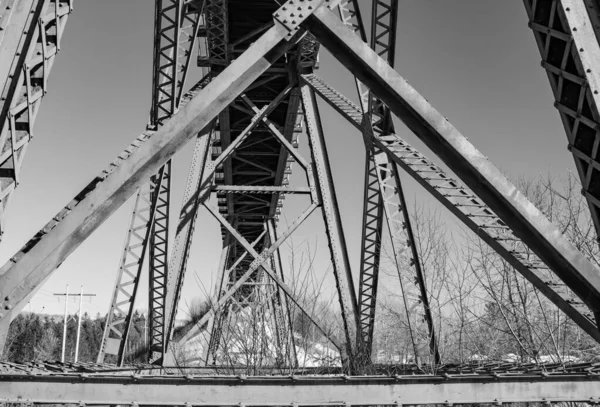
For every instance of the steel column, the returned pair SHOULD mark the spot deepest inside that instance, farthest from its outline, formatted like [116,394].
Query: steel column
[567,36]
[118,320]
[174,38]
[333,223]
[281,308]
[194,194]
[30,35]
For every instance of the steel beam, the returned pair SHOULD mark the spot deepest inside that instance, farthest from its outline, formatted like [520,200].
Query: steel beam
[174,38]
[214,323]
[515,210]
[384,194]
[333,223]
[299,390]
[118,320]
[567,36]
[193,195]
[259,260]
[469,209]
[30,35]
[283,318]
[23,274]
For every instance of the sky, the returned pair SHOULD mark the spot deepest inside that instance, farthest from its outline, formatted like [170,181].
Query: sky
[474,60]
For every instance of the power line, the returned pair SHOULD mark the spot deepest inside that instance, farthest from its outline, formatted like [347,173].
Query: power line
[67,295]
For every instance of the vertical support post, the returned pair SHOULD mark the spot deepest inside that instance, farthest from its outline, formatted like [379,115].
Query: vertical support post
[195,193]
[118,320]
[78,326]
[214,322]
[383,190]
[333,223]
[282,306]
[158,268]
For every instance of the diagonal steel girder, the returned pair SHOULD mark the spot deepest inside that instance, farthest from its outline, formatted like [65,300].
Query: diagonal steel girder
[175,34]
[469,209]
[197,190]
[175,31]
[259,262]
[512,207]
[383,194]
[30,36]
[333,225]
[567,33]
[24,273]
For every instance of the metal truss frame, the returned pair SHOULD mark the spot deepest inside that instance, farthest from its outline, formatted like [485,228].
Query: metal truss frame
[277,302]
[514,210]
[198,188]
[174,38]
[383,194]
[192,390]
[118,320]
[281,309]
[317,190]
[30,35]
[512,224]
[333,223]
[23,274]
[469,209]
[567,34]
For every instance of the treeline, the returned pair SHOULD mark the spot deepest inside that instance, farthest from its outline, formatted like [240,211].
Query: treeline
[39,337]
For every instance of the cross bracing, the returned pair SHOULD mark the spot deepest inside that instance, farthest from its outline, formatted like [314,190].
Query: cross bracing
[259,93]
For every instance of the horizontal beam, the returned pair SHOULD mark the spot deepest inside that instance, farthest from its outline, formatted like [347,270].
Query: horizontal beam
[298,390]
[242,189]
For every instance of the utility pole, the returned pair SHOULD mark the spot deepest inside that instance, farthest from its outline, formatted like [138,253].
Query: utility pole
[78,325]
[64,341]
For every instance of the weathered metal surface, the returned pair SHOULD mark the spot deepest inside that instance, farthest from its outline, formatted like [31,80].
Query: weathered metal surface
[524,219]
[300,390]
[384,195]
[118,319]
[333,223]
[567,36]
[30,35]
[256,161]
[23,273]
[175,33]
[469,209]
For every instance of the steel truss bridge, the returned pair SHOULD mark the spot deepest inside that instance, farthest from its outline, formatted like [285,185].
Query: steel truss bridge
[259,92]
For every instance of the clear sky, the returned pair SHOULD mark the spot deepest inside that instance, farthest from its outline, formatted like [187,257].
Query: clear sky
[474,60]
